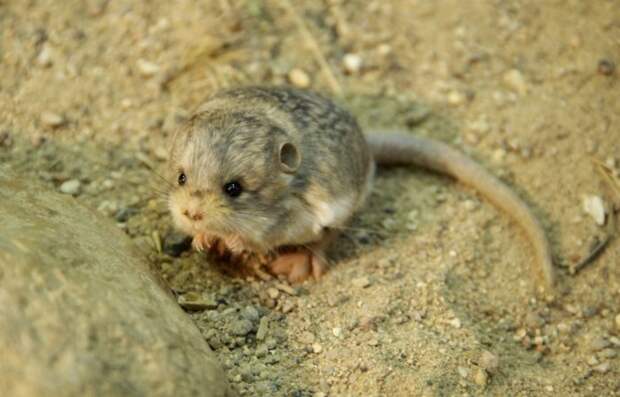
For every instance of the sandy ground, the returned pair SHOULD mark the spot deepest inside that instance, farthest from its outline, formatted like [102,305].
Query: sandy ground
[432,291]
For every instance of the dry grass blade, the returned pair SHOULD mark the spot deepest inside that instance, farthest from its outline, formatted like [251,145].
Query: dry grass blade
[314,47]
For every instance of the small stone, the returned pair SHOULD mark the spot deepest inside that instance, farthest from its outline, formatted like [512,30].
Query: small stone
[45,57]
[489,361]
[146,68]
[514,80]
[606,67]
[108,208]
[288,306]
[299,78]
[72,187]
[534,321]
[617,321]
[241,327]
[463,372]
[337,332]
[455,322]
[602,367]
[286,288]
[317,348]
[480,377]
[592,361]
[608,353]
[194,301]
[250,313]
[176,243]
[352,63]
[499,155]
[273,293]
[598,344]
[456,98]
[594,206]
[361,282]
[263,327]
[52,120]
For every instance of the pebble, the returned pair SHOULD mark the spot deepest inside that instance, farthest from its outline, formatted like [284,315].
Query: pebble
[194,301]
[489,361]
[594,206]
[534,321]
[146,68]
[337,332]
[606,67]
[52,120]
[263,327]
[317,348]
[45,57]
[617,321]
[602,367]
[481,377]
[286,288]
[463,372]
[599,343]
[361,282]
[273,293]
[456,98]
[608,353]
[352,63]
[72,187]
[241,327]
[108,208]
[250,313]
[455,322]
[514,80]
[299,78]
[288,306]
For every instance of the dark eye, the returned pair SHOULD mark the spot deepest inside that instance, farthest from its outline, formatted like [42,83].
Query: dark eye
[233,189]
[182,179]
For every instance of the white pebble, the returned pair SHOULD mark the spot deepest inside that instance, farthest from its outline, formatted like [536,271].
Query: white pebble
[52,120]
[514,80]
[45,57]
[72,186]
[352,63]
[594,206]
[317,348]
[456,98]
[455,322]
[299,78]
[337,332]
[146,68]
[617,322]
[361,282]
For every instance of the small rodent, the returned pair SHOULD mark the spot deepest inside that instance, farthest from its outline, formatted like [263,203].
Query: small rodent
[256,169]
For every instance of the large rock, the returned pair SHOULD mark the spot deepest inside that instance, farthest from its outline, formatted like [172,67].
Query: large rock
[80,315]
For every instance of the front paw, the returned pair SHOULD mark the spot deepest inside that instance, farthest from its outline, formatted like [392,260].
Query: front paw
[203,242]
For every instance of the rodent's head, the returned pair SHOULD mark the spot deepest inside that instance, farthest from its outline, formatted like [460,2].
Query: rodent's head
[231,173]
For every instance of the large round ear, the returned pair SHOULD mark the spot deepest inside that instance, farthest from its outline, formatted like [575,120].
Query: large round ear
[289,157]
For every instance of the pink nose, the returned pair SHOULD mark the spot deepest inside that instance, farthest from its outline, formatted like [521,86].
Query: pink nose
[195,216]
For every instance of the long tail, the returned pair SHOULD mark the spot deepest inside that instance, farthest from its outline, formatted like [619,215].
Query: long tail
[399,148]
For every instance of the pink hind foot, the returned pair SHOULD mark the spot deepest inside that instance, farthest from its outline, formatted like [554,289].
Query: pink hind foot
[298,266]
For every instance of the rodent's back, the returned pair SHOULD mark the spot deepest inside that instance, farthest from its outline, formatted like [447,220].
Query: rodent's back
[335,156]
